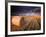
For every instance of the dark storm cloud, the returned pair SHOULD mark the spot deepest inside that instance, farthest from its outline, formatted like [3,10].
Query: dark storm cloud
[25,10]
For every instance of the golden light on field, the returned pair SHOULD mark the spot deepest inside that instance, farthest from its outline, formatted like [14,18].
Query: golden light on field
[25,23]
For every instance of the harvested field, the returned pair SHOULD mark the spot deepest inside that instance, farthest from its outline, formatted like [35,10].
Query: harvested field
[25,23]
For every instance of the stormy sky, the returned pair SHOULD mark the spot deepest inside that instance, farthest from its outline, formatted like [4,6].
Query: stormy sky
[25,11]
